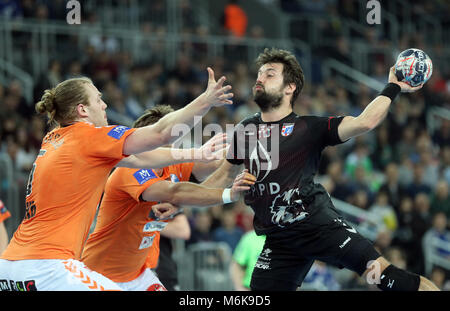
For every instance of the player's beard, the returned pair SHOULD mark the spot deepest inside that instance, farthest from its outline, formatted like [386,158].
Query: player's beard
[267,101]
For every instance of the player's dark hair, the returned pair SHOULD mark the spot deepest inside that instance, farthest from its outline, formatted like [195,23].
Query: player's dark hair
[292,71]
[152,115]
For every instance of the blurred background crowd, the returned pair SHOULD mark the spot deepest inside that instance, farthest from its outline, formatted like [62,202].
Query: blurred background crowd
[144,53]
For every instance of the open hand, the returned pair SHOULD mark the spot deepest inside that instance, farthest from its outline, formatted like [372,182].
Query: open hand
[216,94]
[213,149]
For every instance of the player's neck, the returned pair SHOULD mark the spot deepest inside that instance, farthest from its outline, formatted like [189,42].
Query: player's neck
[277,114]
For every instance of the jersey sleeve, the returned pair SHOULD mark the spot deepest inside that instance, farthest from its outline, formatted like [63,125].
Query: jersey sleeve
[4,213]
[133,181]
[104,142]
[326,130]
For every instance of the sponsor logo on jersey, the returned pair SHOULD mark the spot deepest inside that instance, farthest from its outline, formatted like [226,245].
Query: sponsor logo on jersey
[118,131]
[146,242]
[154,226]
[20,286]
[287,208]
[287,129]
[143,176]
[260,160]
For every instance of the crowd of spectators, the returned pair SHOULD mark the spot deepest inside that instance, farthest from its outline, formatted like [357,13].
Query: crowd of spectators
[399,172]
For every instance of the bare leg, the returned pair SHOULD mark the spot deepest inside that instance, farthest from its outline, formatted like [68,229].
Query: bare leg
[427,285]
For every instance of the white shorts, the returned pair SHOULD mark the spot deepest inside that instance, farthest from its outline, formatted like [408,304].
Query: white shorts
[51,275]
[146,281]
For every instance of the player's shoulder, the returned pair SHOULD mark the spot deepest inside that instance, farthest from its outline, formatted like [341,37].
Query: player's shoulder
[252,119]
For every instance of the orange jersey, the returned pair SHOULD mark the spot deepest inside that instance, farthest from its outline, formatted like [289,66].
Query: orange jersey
[4,213]
[64,189]
[125,233]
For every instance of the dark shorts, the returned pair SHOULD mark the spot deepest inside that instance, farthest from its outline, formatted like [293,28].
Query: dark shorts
[288,255]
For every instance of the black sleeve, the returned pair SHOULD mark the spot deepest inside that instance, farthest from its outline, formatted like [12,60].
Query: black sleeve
[327,130]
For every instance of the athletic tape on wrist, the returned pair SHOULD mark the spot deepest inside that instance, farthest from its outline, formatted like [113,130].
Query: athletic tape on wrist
[391,90]
[226,196]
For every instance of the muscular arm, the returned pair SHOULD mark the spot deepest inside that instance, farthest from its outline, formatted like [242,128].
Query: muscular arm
[183,194]
[202,170]
[158,158]
[373,114]
[224,175]
[160,133]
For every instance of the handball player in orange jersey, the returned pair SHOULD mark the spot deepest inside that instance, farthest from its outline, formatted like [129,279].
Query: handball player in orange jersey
[125,243]
[68,178]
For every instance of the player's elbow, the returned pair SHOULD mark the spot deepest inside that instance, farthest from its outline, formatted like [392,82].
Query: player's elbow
[175,197]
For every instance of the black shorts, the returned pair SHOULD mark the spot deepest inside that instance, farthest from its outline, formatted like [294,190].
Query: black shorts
[288,255]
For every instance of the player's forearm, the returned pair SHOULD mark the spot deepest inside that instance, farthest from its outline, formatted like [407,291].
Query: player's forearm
[223,176]
[237,275]
[189,195]
[184,116]
[164,132]
[160,157]
[372,115]
[178,228]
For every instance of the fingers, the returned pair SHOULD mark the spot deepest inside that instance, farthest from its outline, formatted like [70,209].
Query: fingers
[164,210]
[211,77]
[220,82]
[245,178]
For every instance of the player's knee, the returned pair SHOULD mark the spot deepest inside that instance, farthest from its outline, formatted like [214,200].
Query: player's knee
[395,279]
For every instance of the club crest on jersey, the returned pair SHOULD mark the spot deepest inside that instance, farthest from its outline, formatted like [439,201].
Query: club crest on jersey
[287,129]
[118,131]
[143,176]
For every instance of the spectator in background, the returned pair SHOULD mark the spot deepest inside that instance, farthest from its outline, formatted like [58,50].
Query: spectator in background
[440,232]
[244,259]
[403,237]
[445,164]
[438,278]
[228,232]
[396,256]
[391,186]
[417,185]
[4,214]
[383,153]
[382,209]
[235,19]
[341,188]
[358,157]
[10,9]
[440,199]
[200,228]
[320,277]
